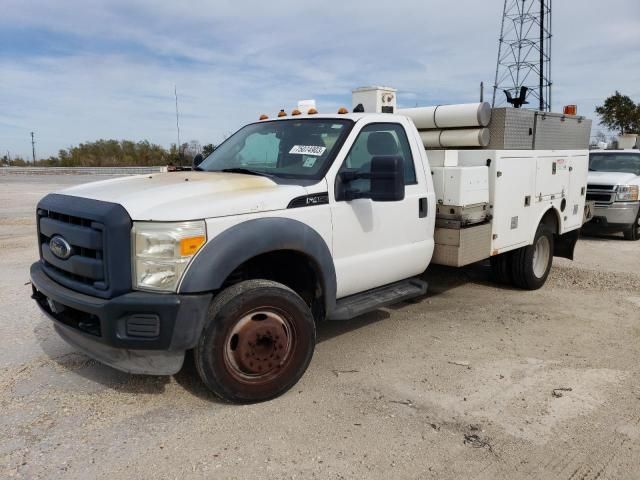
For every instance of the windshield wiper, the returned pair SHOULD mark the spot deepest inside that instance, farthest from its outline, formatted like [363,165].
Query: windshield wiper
[246,171]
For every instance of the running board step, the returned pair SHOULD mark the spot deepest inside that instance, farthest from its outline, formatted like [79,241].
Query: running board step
[354,305]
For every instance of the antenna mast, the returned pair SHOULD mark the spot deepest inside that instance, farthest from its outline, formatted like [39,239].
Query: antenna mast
[175,92]
[524,53]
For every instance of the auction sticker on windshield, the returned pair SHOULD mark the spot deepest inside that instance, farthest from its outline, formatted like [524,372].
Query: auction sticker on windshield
[314,150]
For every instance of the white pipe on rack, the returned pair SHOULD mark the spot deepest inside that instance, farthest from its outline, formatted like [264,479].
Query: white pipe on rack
[449,116]
[466,137]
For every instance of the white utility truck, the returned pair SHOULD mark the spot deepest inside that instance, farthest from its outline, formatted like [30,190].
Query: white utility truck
[299,219]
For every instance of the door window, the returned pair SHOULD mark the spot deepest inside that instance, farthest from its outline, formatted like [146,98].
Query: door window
[379,140]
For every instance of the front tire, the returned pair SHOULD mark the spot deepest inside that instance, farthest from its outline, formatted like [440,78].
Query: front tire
[257,342]
[633,232]
[530,265]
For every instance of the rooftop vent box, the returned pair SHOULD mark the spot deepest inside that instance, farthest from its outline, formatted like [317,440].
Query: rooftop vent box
[374,99]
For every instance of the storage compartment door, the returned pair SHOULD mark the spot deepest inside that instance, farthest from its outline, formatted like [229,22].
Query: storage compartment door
[552,178]
[574,211]
[514,181]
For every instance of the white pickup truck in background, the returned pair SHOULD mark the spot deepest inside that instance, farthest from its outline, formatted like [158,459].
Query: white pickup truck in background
[613,184]
[296,220]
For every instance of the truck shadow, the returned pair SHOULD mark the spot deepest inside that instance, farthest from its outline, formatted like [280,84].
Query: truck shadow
[442,279]
[602,237]
[77,363]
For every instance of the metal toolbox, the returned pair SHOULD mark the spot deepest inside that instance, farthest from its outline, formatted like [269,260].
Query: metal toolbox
[511,129]
[555,131]
[521,129]
[458,247]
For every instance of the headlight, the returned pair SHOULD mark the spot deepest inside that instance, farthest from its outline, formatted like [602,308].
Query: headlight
[627,193]
[162,251]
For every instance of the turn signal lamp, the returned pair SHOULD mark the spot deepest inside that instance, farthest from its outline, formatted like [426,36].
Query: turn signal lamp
[295,112]
[342,111]
[282,113]
[190,245]
[312,111]
[264,117]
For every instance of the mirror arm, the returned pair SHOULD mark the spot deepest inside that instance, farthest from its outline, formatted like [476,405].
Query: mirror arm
[354,195]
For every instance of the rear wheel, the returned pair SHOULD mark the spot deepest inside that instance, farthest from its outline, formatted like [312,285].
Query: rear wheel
[257,343]
[530,265]
[633,232]
[501,268]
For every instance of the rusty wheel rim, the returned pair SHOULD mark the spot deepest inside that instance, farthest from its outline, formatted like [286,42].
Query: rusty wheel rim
[259,346]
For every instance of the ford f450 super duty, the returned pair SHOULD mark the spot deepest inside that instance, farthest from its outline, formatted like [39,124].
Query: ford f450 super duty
[292,221]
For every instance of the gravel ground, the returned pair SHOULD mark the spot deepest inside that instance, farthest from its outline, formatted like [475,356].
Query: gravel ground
[459,384]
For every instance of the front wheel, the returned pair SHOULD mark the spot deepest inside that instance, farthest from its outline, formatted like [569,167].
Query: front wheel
[257,342]
[633,232]
[530,265]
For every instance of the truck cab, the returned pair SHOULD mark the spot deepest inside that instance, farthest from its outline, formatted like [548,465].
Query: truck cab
[614,181]
[289,222]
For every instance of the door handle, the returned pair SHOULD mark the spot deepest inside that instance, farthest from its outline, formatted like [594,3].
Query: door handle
[423,207]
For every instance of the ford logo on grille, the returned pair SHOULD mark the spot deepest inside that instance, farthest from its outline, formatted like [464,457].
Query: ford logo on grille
[60,247]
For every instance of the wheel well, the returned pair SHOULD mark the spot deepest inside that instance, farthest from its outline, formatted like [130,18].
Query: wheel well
[294,269]
[550,220]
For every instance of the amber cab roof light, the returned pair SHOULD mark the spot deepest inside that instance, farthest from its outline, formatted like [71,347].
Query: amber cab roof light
[264,117]
[282,113]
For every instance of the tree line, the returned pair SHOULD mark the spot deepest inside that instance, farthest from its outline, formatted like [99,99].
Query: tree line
[117,153]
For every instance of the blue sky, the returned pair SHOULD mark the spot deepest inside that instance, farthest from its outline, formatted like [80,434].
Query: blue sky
[75,71]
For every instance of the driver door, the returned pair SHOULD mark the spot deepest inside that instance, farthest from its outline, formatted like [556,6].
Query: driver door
[377,243]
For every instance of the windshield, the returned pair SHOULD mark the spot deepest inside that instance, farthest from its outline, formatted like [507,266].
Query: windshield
[615,162]
[288,148]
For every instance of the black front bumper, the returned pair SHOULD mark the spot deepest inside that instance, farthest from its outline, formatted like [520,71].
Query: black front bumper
[137,332]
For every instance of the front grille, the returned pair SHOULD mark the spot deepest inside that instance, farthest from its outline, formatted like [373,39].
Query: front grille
[607,188]
[603,195]
[85,265]
[99,234]
[599,197]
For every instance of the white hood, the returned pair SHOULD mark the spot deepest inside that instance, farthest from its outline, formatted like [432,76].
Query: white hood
[613,178]
[190,195]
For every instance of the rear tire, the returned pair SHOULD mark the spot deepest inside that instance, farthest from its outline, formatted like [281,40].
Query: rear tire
[257,342]
[530,265]
[633,233]
[501,268]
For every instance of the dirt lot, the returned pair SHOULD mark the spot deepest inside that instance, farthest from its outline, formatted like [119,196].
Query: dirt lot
[457,385]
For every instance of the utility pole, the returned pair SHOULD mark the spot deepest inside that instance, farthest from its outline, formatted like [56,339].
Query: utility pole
[33,148]
[175,92]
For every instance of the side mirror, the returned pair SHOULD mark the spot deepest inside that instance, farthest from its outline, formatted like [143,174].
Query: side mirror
[197,160]
[387,179]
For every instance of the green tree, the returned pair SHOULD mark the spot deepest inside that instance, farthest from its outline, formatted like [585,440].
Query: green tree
[620,113]
[208,149]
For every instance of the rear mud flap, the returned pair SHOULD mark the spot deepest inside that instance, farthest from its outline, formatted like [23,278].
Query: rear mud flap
[564,245]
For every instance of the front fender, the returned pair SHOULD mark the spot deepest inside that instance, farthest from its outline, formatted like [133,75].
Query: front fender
[230,249]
